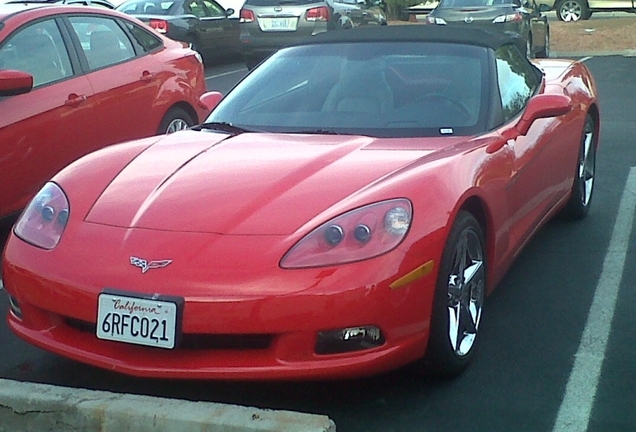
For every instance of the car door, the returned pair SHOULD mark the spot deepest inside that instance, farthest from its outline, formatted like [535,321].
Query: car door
[216,33]
[47,128]
[227,38]
[612,4]
[540,164]
[126,83]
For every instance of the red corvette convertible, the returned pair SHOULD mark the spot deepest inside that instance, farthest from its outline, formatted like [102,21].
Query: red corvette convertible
[343,211]
[75,79]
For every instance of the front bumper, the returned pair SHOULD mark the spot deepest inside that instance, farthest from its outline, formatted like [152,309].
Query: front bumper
[244,317]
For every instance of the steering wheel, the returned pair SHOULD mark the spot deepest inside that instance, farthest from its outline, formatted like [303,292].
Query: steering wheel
[457,105]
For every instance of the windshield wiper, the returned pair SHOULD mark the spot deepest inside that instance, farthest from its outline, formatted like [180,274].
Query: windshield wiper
[322,132]
[225,127]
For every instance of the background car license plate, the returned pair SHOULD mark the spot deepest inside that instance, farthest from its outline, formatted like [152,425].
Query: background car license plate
[278,24]
[136,320]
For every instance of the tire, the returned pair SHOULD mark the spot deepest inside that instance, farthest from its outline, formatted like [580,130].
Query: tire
[545,51]
[581,197]
[572,10]
[176,119]
[458,301]
[194,46]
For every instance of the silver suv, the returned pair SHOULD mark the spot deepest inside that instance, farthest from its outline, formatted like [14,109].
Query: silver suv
[267,25]
[575,10]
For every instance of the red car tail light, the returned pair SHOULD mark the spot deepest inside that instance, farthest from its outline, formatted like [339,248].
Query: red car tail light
[247,16]
[318,14]
[513,17]
[160,25]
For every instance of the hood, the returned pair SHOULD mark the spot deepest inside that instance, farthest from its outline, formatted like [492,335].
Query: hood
[266,184]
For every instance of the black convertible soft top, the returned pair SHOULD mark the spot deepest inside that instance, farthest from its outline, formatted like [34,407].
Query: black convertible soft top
[419,33]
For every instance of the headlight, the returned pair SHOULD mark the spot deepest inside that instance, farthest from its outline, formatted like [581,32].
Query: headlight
[363,233]
[45,218]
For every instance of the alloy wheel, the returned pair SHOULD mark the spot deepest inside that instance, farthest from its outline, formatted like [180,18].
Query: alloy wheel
[571,11]
[466,285]
[587,165]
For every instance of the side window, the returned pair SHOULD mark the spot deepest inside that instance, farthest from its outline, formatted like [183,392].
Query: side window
[214,9]
[195,8]
[39,50]
[145,40]
[517,80]
[103,41]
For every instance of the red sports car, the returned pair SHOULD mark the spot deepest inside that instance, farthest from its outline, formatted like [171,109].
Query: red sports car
[343,211]
[76,79]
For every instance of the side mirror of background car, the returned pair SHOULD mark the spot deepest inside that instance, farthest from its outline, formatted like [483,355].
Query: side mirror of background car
[13,82]
[211,99]
[544,8]
[543,106]
[229,12]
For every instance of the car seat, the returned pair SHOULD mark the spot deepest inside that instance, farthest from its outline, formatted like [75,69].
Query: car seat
[361,88]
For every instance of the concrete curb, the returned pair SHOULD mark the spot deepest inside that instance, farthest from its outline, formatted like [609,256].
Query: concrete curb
[29,407]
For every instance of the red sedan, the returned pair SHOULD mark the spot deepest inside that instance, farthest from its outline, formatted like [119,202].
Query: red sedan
[76,79]
[343,211]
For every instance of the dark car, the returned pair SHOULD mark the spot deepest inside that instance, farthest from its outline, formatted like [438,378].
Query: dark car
[204,24]
[519,16]
[267,25]
[360,12]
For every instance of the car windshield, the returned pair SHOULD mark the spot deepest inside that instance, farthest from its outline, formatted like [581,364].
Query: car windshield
[396,89]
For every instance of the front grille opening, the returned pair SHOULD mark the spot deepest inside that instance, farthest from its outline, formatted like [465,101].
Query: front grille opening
[190,341]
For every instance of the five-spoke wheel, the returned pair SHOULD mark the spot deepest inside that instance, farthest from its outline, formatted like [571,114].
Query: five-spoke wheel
[459,298]
[583,186]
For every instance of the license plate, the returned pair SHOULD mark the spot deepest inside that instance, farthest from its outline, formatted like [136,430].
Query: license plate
[278,24]
[140,320]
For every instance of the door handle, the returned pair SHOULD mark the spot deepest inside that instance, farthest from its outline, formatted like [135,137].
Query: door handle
[147,76]
[74,100]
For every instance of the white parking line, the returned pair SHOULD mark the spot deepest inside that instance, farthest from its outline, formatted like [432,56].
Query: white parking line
[225,74]
[578,401]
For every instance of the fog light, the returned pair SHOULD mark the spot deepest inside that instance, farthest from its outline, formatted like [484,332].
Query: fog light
[348,339]
[15,307]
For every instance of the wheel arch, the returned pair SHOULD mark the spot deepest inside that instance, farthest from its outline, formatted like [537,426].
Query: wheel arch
[596,117]
[478,207]
[187,108]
